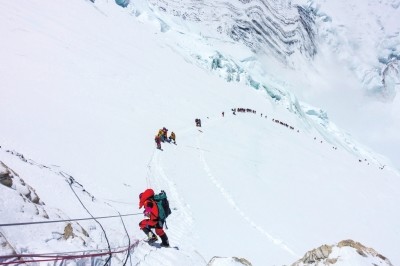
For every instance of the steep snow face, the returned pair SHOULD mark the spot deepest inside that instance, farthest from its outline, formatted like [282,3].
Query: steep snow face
[276,28]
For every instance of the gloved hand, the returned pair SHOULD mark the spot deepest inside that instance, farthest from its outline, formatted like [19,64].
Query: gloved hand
[147,212]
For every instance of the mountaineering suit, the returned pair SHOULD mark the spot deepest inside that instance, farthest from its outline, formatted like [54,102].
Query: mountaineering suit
[146,200]
[198,122]
[172,137]
[164,134]
[160,135]
[158,142]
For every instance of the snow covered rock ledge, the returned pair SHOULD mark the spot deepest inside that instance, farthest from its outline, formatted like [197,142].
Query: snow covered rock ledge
[346,252]
[11,180]
[233,261]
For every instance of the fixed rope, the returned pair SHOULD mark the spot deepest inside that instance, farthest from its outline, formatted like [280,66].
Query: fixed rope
[62,256]
[71,179]
[128,254]
[71,220]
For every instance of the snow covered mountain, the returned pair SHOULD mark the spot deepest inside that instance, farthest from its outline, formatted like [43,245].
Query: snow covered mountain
[86,86]
[296,46]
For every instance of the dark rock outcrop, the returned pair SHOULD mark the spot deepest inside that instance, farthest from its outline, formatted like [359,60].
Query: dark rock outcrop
[11,180]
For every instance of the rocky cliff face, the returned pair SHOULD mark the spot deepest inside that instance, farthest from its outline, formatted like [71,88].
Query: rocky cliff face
[271,27]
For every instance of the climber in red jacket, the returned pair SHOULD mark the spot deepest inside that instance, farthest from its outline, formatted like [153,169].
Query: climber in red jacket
[146,200]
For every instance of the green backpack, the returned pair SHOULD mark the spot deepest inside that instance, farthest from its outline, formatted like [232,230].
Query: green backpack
[163,205]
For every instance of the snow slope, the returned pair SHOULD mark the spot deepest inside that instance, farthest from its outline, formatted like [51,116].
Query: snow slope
[85,88]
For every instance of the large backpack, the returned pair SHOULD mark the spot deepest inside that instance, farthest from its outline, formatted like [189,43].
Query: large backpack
[163,205]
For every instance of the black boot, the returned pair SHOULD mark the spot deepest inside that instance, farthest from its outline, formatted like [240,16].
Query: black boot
[164,240]
[151,237]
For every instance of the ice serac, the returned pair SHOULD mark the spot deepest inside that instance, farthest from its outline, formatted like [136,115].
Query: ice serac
[270,27]
[390,79]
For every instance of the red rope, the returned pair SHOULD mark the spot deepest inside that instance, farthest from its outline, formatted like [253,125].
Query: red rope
[58,257]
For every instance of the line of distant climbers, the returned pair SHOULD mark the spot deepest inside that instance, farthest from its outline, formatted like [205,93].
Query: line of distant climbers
[283,124]
[249,110]
[162,135]
[243,110]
